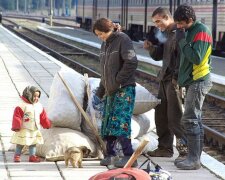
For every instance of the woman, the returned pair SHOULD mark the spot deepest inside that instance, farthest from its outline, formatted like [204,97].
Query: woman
[118,64]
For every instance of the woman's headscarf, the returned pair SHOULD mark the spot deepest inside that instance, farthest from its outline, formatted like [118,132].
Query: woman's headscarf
[29,91]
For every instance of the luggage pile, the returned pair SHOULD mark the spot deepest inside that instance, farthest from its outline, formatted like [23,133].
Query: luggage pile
[69,127]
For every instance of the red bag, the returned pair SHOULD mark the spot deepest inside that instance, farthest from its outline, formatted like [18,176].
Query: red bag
[122,174]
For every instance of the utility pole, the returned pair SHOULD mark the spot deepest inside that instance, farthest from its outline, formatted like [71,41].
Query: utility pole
[17,5]
[95,5]
[107,8]
[214,21]
[41,7]
[25,6]
[69,7]
[146,17]
[76,8]
[171,6]
[63,7]
[51,12]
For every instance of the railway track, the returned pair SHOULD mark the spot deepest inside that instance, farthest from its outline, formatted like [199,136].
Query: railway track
[85,61]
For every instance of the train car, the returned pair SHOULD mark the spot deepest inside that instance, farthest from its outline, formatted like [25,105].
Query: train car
[135,15]
[85,13]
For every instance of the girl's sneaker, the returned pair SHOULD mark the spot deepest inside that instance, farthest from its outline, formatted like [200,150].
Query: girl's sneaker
[17,158]
[34,158]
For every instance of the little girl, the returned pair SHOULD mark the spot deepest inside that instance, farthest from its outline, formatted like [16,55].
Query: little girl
[27,118]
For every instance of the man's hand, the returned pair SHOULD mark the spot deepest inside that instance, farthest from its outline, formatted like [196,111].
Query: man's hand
[117,27]
[147,44]
[180,34]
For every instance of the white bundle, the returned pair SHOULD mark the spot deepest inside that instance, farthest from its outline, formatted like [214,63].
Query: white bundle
[58,140]
[141,124]
[61,109]
[151,146]
[144,100]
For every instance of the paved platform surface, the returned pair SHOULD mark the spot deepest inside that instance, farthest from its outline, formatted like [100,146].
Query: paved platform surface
[21,64]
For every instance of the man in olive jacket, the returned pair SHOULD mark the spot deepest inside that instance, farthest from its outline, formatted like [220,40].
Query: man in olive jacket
[167,114]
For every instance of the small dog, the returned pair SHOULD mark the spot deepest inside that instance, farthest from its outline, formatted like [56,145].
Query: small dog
[75,155]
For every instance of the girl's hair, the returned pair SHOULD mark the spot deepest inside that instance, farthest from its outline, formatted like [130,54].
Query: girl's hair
[184,12]
[161,12]
[103,25]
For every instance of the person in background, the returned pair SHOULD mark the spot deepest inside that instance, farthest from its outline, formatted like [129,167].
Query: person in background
[195,43]
[167,114]
[27,118]
[118,63]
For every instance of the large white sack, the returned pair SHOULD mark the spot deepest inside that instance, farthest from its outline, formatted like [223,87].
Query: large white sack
[61,109]
[57,140]
[151,146]
[144,100]
[142,124]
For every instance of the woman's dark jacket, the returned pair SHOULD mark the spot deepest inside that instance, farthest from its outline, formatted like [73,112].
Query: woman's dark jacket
[118,64]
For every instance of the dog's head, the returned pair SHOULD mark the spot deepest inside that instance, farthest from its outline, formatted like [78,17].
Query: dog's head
[85,151]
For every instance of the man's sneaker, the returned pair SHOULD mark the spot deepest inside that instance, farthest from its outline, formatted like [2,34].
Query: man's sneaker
[17,158]
[108,160]
[123,161]
[160,153]
[34,158]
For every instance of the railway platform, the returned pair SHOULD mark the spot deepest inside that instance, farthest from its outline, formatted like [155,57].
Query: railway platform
[22,64]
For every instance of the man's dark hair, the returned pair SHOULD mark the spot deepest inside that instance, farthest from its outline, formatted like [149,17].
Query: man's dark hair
[103,25]
[161,12]
[183,13]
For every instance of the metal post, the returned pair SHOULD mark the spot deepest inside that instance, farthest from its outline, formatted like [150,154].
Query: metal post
[171,6]
[41,7]
[28,6]
[76,8]
[69,7]
[25,6]
[107,8]
[17,5]
[174,5]
[214,21]
[126,10]
[63,8]
[51,12]
[95,4]
[122,13]
[83,12]
[146,16]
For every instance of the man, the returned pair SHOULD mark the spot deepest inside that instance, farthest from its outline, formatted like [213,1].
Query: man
[167,114]
[194,74]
